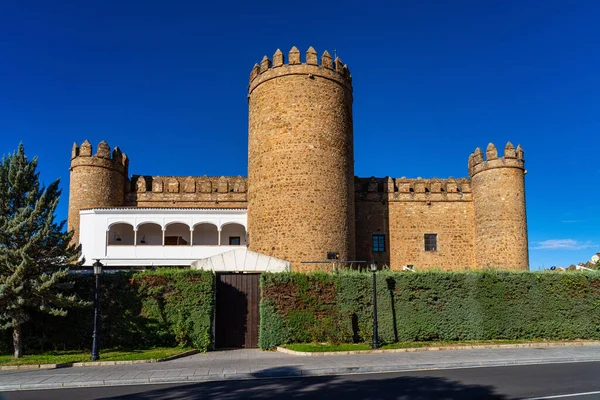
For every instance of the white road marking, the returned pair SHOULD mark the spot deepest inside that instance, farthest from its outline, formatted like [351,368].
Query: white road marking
[562,396]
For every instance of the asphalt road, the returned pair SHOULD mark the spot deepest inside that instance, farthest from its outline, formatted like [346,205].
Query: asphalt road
[575,381]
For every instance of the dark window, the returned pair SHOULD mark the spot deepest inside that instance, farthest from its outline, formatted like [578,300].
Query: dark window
[234,240]
[430,241]
[378,243]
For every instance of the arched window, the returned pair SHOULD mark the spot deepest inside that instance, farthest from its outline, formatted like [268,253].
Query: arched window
[233,235]
[206,234]
[177,234]
[149,234]
[120,234]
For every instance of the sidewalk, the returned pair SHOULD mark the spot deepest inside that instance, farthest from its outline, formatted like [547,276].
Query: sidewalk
[252,364]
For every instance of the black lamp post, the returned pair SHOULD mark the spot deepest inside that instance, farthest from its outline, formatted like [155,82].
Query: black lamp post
[97,271]
[375,334]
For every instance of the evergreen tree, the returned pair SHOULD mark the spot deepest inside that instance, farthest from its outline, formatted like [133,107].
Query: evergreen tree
[35,252]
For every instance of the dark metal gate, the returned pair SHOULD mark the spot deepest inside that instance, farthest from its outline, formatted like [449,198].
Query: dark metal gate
[237,318]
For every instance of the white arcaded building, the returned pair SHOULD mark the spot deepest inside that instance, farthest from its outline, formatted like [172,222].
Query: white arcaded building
[203,238]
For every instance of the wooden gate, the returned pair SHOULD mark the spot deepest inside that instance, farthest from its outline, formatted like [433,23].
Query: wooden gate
[237,318]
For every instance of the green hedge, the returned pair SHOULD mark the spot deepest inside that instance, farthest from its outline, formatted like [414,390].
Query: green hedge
[300,308]
[166,307]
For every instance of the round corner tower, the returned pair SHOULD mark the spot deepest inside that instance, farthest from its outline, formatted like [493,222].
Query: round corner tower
[301,158]
[95,180]
[498,186]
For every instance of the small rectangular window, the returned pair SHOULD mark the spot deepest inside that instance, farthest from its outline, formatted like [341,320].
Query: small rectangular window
[234,240]
[431,242]
[378,243]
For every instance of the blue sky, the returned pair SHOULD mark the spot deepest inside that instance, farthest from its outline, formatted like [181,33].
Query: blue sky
[166,81]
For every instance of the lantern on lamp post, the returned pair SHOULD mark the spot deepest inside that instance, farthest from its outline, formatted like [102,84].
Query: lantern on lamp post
[373,266]
[95,337]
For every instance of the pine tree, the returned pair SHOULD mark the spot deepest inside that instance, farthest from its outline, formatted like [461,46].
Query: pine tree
[35,252]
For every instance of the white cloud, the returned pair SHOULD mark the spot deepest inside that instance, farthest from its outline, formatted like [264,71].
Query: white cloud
[562,244]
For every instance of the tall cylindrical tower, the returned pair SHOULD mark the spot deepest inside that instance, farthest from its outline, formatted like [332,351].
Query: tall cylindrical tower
[498,186]
[301,158]
[95,180]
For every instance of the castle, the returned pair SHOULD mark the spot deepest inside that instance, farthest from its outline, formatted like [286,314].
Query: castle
[301,199]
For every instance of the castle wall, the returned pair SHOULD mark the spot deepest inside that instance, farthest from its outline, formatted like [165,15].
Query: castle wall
[372,217]
[452,221]
[300,162]
[405,210]
[187,192]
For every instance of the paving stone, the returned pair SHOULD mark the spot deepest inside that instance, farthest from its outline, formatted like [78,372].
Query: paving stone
[143,375]
[201,371]
[39,386]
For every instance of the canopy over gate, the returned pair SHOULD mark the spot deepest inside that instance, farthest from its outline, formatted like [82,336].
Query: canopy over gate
[241,260]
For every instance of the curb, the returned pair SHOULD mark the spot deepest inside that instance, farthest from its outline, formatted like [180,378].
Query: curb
[438,348]
[289,374]
[95,363]
[187,353]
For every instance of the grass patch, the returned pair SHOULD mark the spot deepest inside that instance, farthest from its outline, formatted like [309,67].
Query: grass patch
[72,356]
[408,345]
[314,347]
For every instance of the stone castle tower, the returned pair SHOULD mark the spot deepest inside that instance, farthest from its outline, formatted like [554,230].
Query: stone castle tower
[96,180]
[301,158]
[498,185]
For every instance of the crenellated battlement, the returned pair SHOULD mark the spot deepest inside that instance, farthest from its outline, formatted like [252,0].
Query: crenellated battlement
[419,189]
[104,158]
[188,184]
[187,191]
[325,67]
[513,158]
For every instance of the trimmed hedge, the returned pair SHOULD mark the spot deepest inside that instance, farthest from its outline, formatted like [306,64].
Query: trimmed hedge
[166,307]
[424,306]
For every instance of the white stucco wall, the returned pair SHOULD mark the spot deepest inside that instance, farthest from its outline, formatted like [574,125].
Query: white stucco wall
[95,223]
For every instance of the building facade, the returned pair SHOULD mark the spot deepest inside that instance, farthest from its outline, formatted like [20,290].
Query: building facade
[301,199]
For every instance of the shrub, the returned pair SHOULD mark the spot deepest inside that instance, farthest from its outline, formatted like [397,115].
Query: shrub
[427,306]
[166,307]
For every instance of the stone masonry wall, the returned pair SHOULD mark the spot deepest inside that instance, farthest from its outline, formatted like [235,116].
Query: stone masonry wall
[187,191]
[372,217]
[500,214]
[452,221]
[301,159]
[406,209]
[97,180]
